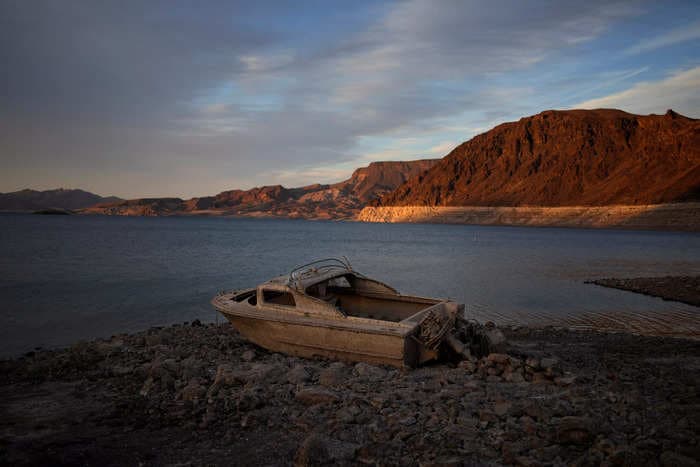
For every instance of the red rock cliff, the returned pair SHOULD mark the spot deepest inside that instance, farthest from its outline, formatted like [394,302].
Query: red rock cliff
[566,158]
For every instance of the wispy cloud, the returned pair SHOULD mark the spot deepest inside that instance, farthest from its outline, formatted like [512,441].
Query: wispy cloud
[686,33]
[606,80]
[679,91]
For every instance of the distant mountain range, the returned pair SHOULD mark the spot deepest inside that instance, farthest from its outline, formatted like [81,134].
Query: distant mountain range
[566,158]
[61,198]
[341,200]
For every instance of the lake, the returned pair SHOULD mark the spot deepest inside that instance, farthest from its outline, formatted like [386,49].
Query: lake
[67,278]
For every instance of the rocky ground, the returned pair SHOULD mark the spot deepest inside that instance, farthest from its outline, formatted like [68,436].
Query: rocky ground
[200,394]
[685,289]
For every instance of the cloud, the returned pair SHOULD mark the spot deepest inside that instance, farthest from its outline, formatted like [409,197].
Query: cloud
[678,91]
[115,62]
[168,88]
[686,33]
[417,43]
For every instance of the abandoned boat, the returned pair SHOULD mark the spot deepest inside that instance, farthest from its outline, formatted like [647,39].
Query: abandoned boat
[327,309]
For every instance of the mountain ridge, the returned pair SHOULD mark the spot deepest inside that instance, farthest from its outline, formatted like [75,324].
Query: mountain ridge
[342,200]
[58,198]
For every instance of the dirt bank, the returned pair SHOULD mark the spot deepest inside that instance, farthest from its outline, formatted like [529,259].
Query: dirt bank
[203,395]
[684,289]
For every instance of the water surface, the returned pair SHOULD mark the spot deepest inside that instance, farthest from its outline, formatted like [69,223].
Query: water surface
[65,278]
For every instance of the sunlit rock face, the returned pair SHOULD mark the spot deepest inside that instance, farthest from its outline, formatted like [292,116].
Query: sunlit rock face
[566,158]
[668,216]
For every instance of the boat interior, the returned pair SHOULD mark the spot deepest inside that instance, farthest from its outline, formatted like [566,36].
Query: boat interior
[344,295]
[381,308]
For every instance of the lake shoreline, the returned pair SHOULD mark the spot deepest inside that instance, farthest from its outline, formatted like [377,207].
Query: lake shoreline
[553,396]
[682,217]
[682,289]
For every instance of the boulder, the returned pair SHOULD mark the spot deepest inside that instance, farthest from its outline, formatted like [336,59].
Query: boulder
[467,365]
[574,430]
[266,372]
[565,380]
[193,391]
[674,459]
[227,376]
[321,450]
[498,358]
[315,396]
[298,375]
[192,367]
[533,363]
[335,375]
[370,372]
[501,408]
[147,387]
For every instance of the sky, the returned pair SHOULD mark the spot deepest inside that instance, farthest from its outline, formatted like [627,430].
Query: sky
[190,98]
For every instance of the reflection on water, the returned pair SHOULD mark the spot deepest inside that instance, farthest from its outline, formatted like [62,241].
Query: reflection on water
[64,278]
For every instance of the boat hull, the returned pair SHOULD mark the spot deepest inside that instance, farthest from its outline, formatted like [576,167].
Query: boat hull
[309,340]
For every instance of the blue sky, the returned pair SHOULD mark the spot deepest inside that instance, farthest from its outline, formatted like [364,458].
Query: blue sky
[175,98]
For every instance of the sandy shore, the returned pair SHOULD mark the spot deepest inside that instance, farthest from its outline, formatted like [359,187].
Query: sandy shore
[201,394]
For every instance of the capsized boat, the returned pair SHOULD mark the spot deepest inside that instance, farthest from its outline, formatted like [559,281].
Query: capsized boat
[327,309]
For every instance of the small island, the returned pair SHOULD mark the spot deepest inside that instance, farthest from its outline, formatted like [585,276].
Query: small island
[54,212]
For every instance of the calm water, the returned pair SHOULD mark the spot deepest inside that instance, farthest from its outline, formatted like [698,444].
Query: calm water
[65,278]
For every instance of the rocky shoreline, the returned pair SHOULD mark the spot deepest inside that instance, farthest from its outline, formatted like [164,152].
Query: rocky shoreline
[201,394]
[684,289]
[670,216]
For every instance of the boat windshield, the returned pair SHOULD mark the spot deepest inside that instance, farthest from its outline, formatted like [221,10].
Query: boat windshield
[329,285]
[316,268]
[329,289]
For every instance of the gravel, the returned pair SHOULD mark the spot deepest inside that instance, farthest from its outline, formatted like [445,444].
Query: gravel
[201,394]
